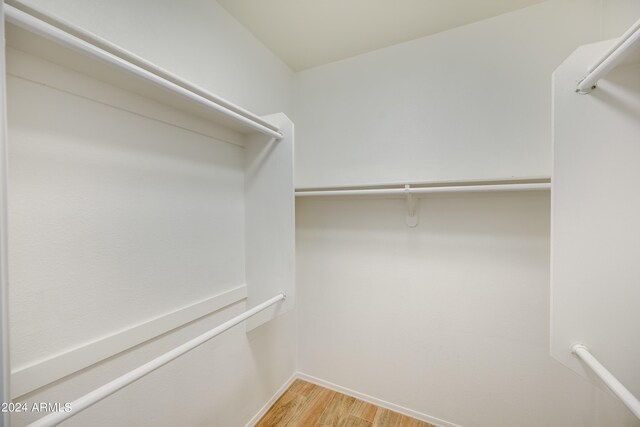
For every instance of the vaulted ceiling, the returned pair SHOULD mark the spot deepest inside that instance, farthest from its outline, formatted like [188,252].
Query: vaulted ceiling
[307,33]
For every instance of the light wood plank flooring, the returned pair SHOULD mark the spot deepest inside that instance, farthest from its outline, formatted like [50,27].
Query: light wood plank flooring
[309,405]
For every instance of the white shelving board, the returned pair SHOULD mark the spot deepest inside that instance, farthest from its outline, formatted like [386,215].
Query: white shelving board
[5,371]
[595,210]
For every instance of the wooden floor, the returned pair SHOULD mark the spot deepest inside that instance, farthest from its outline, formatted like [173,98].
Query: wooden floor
[308,405]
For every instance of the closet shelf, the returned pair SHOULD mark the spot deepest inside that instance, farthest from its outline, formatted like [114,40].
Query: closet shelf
[63,44]
[535,184]
[625,51]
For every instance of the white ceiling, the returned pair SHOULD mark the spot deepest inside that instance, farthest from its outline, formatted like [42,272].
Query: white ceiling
[307,33]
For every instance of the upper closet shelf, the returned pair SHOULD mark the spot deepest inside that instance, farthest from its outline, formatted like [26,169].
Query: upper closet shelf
[64,44]
[625,51]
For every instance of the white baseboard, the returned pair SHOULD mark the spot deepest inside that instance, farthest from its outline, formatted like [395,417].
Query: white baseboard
[378,402]
[326,384]
[271,401]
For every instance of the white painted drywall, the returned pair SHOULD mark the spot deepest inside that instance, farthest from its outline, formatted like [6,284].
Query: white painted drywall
[450,319]
[618,16]
[470,103]
[114,219]
[163,212]
[595,243]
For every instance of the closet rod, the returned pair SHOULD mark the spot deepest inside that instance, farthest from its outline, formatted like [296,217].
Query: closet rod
[119,383]
[629,41]
[607,377]
[51,32]
[426,190]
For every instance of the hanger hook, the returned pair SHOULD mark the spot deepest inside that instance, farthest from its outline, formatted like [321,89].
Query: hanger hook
[412,211]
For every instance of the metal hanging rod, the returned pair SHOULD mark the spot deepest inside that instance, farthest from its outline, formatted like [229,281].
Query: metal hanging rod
[628,42]
[51,32]
[119,383]
[426,190]
[607,377]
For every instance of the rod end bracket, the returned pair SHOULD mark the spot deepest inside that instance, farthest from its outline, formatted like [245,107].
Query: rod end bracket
[586,91]
[576,346]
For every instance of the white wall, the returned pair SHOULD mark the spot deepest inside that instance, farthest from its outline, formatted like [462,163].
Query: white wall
[127,227]
[618,16]
[450,319]
[96,244]
[470,103]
